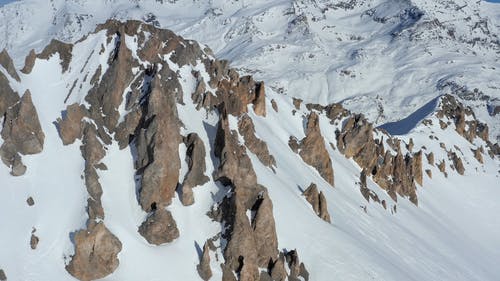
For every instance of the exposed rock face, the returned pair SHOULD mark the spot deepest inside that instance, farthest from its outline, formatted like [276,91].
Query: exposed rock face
[29,62]
[457,163]
[454,110]
[317,201]
[6,62]
[195,158]
[8,97]
[250,243]
[259,103]
[254,144]
[203,267]
[158,144]
[313,151]
[71,126]
[92,151]
[159,227]
[96,250]
[478,154]
[3,277]
[55,46]
[22,134]
[297,269]
[22,131]
[395,173]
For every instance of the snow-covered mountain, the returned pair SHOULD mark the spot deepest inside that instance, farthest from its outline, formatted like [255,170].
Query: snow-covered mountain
[298,140]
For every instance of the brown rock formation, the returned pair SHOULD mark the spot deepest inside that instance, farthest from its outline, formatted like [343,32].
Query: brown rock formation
[297,103]
[297,269]
[158,144]
[34,240]
[96,250]
[478,154]
[429,173]
[430,158]
[55,46]
[30,201]
[29,62]
[254,144]
[395,173]
[457,163]
[203,267]
[251,242]
[313,151]
[195,158]
[274,105]
[259,103]
[21,132]
[159,227]
[71,126]
[451,108]
[6,62]
[317,201]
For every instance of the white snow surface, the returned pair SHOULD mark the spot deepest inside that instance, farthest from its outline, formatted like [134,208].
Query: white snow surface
[376,58]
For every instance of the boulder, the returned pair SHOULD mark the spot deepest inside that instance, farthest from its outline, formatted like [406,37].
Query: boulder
[159,228]
[96,253]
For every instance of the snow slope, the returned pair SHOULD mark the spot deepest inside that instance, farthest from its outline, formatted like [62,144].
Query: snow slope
[454,233]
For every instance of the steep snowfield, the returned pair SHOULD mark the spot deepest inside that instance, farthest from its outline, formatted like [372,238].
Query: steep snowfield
[454,233]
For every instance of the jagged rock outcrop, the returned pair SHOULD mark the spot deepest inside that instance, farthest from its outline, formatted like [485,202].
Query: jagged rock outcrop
[313,151]
[63,49]
[464,118]
[93,152]
[158,143]
[8,97]
[254,144]
[6,62]
[457,163]
[21,132]
[3,277]
[96,250]
[317,201]
[298,270]
[71,126]
[203,267]
[395,173]
[159,227]
[195,158]
[251,242]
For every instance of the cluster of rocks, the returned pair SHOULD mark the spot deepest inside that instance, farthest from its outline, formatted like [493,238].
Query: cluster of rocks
[466,125]
[397,174]
[152,129]
[21,129]
[251,241]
